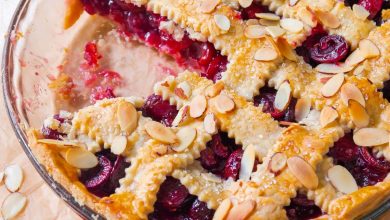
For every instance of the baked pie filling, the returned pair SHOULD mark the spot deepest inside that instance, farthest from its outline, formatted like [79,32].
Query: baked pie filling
[283,114]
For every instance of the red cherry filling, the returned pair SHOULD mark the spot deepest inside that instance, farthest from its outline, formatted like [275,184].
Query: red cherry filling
[144,25]
[360,161]
[159,110]
[330,49]
[267,99]
[175,202]
[233,165]
[316,34]
[250,12]
[373,6]
[386,90]
[103,179]
[301,208]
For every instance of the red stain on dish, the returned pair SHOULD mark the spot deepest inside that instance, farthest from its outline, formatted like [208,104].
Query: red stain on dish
[166,71]
[144,25]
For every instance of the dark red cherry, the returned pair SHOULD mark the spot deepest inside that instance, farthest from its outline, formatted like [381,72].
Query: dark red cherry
[117,173]
[374,163]
[173,195]
[301,208]
[208,159]
[344,149]
[159,110]
[250,12]
[330,49]
[96,178]
[51,134]
[199,211]
[373,6]
[218,147]
[233,165]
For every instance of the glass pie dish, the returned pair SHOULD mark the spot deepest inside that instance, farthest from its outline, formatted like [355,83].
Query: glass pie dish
[37,48]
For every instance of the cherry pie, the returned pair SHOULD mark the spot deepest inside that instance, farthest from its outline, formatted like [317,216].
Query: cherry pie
[282,113]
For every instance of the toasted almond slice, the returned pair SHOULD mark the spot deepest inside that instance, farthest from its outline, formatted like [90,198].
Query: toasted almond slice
[59,143]
[161,133]
[247,163]
[222,22]
[342,179]
[277,162]
[1,177]
[210,124]
[360,12]
[328,115]
[369,137]
[303,171]
[355,58]
[275,31]
[214,89]
[245,3]
[302,109]
[80,158]
[293,2]
[307,17]
[369,49]
[252,22]
[332,86]
[197,106]
[186,88]
[291,25]
[285,49]
[185,136]
[119,144]
[283,96]
[224,103]
[358,114]
[350,91]
[13,177]
[328,19]
[180,93]
[266,54]
[242,210]
[267,23]
[254,31]
[207,6]
[182,116]
[268,16]
[12,205]
[127,117]
[332,68]
[222,210]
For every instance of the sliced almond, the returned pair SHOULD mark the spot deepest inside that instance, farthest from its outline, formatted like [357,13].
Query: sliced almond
[358,114]
[277,162]
[222,210]
[332,68]
[369,49]
[351,92]
[328,115]
[214,89]
[247,163]
[245,3]
[207,6]
[197,106]
[182,116]
[291,25]
[210,124]
[302,109]
[254,31]
[223,103]
[303,171]
[12,205]
[268,16]
[360,12]
[13,177]
[185,88]
[332,86]
[127,117]
[222,22]
[355,58]
[80,158]
[342,179]
[241,211]
[275,31]
[328,19]
[180,93]
[369,137]
[161,133]
[307,17]
[119,144]
[185,136]
[286,49]
[267,23]
[293,2]
[59,143]
[283,96]
[266,54]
